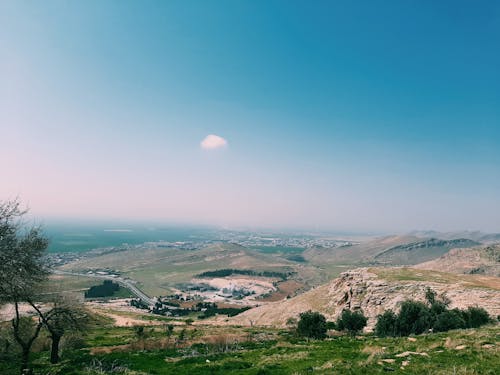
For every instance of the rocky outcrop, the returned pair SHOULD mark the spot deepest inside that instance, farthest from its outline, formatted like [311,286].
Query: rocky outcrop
[479,260]
[364,289]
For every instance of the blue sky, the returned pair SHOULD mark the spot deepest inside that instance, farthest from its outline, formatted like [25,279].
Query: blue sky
[369,115]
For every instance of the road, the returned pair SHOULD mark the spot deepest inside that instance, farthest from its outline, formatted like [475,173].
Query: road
[124,283]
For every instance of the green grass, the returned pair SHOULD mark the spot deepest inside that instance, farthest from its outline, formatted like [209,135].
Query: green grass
[412,274]
[454,352]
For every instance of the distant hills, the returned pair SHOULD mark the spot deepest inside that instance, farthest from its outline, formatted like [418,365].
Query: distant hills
[389,250]
[483,260]
[421,251]
[471,235]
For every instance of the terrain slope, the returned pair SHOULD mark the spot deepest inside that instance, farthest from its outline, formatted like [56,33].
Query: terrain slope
[476,260]
[375,290]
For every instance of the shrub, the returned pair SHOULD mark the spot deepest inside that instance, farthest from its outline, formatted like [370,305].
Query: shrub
[352,322]
[430,296]
[312,324]
[386,324]
[413,318]
[475,317]
[449,319]
[106,289]
[416,318]
[331,325]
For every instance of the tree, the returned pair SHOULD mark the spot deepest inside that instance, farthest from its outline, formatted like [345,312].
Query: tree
[312,325]
[449,319]
[352,322]
[430,296]
[63,316]
[22,269]
[386,324]
[475,317]
[413,318]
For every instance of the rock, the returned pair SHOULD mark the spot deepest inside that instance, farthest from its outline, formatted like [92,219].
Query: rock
[408,353]
[389,360]
[460,347]
[363,288]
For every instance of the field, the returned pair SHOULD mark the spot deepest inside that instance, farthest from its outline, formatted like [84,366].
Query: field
[158,271]
[76,237]
[235,350]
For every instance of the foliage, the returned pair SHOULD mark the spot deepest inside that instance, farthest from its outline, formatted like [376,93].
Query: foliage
[22,270]
[229,311]
[139,303]
[351,321]
[281,354]
[331,325]
[475,317]
[449,319]
[22,266]
[230,271]
[417,317]
[312,325]
[106,289]
[386,324]
[430,296]
[413,318]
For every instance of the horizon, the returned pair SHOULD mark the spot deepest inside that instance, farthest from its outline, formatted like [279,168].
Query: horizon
[118,224]
[379,118]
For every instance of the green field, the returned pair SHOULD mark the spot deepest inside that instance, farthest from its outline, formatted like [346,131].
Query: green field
[76,237]
[114,350]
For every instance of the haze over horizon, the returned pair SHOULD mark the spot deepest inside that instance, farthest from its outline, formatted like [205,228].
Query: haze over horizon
[361,117]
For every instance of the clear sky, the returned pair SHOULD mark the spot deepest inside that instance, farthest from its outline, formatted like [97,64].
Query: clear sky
[342,115]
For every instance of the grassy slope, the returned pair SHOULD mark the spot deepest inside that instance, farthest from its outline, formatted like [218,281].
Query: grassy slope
[412,274]
[275,352]
[158,269]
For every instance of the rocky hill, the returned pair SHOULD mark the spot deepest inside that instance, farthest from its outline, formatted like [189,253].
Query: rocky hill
[477,260]
[420,251]
[363,251]
[377,289]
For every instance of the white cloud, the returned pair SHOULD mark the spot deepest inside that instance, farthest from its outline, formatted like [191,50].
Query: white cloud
[212,142]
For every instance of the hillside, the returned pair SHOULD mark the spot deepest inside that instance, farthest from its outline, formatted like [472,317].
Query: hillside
[389,250]
[356,253]
[477,260]
[158,269]
[420,251]
[377,289]
[478,236]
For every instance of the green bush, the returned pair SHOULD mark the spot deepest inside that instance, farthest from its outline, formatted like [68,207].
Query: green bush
[417,317]
[413,318]
[449,319]
[312,324]
[331,325]
[386,324]
[475,317]
[352,322]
